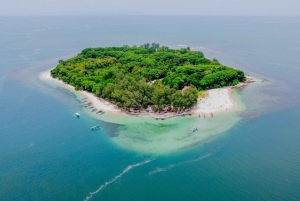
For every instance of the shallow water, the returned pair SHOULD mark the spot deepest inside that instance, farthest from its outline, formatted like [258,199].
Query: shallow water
[48,154]
[156,136]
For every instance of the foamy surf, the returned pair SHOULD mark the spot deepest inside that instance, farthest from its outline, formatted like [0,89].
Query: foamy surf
[127,169]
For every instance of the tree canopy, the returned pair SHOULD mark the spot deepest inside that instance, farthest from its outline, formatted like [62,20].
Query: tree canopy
[149,75]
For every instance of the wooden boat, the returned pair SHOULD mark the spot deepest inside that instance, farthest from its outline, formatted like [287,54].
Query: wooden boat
[97,127]
[194,129]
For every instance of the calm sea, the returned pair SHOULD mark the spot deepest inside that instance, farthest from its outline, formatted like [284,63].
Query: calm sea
[47,154]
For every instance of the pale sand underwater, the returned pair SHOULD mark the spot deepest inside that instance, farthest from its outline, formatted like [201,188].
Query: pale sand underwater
[149,135]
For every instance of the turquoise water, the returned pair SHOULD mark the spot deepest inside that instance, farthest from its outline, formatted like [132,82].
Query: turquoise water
[156,136]
[47,154]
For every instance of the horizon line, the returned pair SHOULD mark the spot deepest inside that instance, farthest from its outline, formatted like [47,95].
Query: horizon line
[147,15]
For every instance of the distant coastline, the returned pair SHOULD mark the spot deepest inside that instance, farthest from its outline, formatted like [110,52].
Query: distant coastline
[215,101]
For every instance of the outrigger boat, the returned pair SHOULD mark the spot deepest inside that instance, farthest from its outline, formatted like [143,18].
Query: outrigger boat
[88,104]
[102,112]
[94,109]
[194,129]
[95,127]
[84,100]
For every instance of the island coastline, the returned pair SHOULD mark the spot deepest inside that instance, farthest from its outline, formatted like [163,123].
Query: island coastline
[216,101]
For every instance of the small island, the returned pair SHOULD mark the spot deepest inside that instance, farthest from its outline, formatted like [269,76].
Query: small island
[146,78]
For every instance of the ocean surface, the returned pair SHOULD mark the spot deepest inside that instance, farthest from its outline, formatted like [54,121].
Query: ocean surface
[48,154]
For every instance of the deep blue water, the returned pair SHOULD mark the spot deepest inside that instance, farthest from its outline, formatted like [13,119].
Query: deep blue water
[45,154]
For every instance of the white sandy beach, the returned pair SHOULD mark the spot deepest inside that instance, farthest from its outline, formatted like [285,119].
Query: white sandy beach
[216,100]
[97,103]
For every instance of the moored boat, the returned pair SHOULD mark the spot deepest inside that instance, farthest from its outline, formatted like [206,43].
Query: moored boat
[77,114]
[98,111]
[194,129]
[95,127]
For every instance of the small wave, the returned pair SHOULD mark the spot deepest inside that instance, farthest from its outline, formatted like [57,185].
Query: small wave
[163,169]
[127,169]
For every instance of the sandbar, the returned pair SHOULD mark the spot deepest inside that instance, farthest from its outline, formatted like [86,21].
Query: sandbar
[148,135]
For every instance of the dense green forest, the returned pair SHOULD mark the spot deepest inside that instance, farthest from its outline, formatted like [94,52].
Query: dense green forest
[148,75]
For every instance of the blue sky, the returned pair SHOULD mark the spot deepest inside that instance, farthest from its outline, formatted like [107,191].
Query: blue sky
[149,7]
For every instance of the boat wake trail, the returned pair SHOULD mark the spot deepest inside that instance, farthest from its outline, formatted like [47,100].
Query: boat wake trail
[162,169]
[127,169]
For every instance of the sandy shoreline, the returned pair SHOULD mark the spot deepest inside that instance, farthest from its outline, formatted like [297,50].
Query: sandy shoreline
[215,101]
[98,103]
